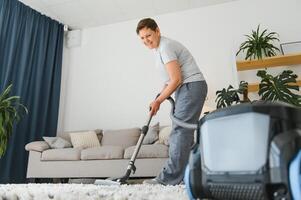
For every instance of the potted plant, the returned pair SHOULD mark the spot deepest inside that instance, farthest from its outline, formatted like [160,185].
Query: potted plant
[229,96]
[271,88]
[10,111]
[259,44]
[279,87]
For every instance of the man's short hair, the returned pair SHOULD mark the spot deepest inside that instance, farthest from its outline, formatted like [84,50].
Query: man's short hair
[148,23]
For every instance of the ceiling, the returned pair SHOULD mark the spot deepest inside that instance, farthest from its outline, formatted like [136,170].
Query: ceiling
[79,14]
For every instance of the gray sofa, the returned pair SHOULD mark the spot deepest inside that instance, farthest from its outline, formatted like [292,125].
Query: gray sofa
[110,159]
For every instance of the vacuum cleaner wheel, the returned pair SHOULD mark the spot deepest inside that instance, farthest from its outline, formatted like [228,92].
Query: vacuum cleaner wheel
[295,176]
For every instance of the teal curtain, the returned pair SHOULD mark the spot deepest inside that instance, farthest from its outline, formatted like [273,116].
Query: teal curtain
[31,47]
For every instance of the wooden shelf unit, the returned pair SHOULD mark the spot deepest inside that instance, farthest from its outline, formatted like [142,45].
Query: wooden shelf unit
[275,61]
[255,86]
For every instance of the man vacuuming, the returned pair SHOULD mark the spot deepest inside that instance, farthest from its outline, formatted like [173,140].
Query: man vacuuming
[181,76]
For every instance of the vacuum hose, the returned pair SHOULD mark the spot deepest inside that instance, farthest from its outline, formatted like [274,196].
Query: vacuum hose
[177,121]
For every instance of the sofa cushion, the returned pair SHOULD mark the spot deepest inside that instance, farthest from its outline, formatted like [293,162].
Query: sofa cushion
[164,135]
[84,139]
[123,137]
[152,134]
[148,151]
[61,154]
[103,152]
[37,146]
[57,142]
[66,135]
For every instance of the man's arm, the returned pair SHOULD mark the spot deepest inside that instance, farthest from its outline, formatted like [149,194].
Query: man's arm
[175,79]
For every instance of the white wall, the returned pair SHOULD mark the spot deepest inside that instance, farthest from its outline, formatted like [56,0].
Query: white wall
[109,81]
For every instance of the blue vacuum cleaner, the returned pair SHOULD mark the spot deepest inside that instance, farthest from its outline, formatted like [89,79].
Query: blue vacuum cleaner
[250,151]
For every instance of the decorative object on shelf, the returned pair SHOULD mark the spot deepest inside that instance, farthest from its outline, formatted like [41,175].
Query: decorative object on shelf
[279,87]
[259,44]
[290,47]
[11,110]
[229,96]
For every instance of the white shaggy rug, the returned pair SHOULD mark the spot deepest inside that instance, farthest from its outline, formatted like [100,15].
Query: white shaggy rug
[91,192]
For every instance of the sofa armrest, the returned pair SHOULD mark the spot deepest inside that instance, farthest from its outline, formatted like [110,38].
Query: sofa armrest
[37,146]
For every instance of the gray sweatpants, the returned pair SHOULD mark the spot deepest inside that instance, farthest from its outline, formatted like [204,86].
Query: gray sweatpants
[189,101]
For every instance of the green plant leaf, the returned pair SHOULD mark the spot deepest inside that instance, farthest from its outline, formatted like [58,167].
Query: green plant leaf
[10,111]
[259,44]
[279,88]
[227,97]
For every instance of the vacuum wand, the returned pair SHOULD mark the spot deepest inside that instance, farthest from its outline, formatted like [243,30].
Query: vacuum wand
[143,133]
[131,166]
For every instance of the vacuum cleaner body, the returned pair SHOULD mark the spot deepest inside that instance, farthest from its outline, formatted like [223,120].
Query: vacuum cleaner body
[247,152]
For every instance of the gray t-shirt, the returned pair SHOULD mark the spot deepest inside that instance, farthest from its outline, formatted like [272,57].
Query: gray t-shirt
[170,50]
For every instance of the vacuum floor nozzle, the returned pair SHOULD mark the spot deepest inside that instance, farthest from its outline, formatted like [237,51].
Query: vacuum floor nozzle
[106,182]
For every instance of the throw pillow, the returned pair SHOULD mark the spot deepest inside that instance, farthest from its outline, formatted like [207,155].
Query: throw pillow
[57,142]
[121,137]
[66,134]
[152,134]
[164,135]
[84,140]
